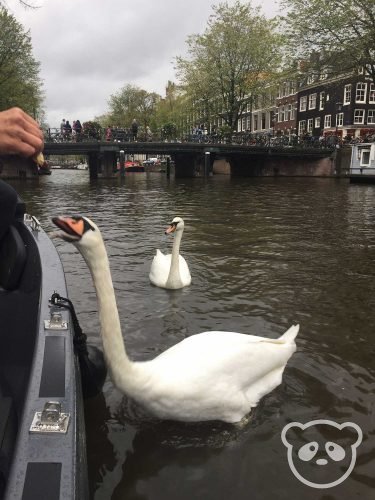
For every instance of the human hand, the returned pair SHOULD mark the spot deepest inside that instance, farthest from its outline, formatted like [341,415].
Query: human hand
[19,133]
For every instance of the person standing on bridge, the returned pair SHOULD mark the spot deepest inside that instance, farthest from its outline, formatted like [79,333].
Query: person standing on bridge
[134,129]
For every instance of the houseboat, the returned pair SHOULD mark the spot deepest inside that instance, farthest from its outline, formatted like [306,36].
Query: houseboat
[42,429]
[362,164]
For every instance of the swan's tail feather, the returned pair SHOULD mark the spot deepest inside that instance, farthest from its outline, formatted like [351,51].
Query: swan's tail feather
[290,334]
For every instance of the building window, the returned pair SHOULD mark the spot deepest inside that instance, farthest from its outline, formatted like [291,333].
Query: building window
[339,119]
[288,112]
[371,116]
[309,125]
[327,121]
[281,114]
[321,100]
[359,116]
[255,122]
[291,111]
[310,79]
[347,93]
[312,101]
[303,103]
[371,98]
[317,122]
[365,158]
[301,127]
[360,92]
[263,118]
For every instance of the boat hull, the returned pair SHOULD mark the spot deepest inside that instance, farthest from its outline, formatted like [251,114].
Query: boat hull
[38,365]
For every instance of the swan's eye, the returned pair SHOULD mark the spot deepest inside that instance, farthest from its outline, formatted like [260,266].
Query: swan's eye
[87,225]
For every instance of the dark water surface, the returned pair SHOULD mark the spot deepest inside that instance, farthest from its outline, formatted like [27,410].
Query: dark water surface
[263,254]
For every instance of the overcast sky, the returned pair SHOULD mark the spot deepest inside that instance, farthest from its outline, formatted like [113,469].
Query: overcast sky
[90,49]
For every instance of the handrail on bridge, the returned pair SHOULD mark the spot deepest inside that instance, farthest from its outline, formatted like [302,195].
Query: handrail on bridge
[55,135]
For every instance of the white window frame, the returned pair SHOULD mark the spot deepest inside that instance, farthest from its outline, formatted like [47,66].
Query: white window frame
[301,127]
[327,121]
[371,94]
[255,122]
[365,153]
[371,116]
[291,111]
[317,122]
[339,119]
[312,101]
[359,117]
[310,79]
[322,97]
[310,125]
[303,103]
[360,92]
[347,93]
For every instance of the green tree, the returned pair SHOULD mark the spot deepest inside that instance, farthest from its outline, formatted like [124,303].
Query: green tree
[132,102]
[171,110]
[340,32]
[232,61]
[20,84]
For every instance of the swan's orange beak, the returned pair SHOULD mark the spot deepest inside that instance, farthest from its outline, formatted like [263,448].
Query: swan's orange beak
[171,228]
[72,228]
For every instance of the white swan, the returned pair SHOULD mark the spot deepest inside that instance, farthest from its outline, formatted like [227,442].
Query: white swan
[171,271]
[208,376]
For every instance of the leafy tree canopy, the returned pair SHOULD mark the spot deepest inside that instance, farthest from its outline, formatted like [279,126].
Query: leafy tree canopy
[234,59]
[342,32]
[20,84]
[132,102]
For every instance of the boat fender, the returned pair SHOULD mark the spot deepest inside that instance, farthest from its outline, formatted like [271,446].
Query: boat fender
[91,359]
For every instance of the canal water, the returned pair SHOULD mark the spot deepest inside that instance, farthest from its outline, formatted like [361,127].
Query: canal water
[263,254]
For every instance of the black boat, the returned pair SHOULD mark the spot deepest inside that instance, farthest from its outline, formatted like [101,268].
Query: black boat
[42,430]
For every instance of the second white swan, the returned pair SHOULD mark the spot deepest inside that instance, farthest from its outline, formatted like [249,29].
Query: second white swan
[171,271]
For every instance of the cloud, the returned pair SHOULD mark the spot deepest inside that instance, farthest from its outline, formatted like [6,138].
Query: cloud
[90,49]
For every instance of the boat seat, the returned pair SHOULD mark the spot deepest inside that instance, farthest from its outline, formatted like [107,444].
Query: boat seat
[12,259]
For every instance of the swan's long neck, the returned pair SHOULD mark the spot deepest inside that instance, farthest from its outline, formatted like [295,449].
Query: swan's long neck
[174,278]
[113,344]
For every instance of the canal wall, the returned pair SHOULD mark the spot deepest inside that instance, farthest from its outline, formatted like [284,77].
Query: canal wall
[336,165]
[16,167]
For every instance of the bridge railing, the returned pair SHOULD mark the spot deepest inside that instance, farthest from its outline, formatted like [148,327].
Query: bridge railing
[54,135]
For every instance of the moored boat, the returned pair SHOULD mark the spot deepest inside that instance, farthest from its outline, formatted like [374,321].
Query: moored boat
[362,163]
[44,169]
[134,166]
[42,430]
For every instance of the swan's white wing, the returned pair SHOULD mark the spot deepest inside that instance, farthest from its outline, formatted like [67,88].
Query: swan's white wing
[219,354]
[184,271]
[215,375]
[160,269]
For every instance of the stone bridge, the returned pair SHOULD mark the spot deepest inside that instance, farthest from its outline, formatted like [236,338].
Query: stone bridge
[200,159]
